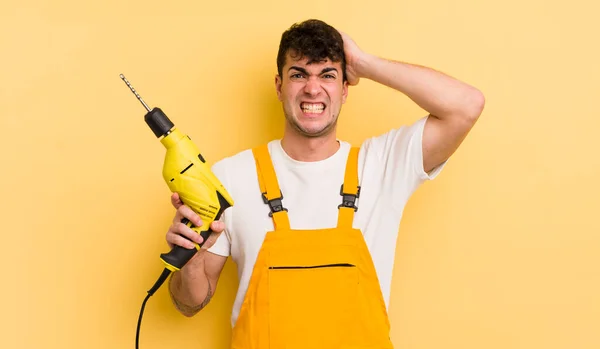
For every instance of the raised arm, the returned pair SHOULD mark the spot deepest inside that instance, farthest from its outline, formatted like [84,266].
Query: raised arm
[453,106]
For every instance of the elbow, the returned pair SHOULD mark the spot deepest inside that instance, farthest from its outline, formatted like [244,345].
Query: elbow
[186,309]
[187,313]
[475,103]
[189,306]
[467,108]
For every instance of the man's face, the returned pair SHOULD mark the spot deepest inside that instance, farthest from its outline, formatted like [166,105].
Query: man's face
[312,95]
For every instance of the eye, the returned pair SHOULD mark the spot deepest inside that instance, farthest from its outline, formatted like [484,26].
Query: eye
[329,76]
[297,76]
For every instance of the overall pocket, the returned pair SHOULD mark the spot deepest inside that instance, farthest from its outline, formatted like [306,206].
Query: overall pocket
[312,306]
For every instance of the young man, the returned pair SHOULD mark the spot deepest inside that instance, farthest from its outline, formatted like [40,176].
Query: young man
[314,226]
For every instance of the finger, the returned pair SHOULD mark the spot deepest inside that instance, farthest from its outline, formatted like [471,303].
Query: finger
[176,200]
[178,215]
[217,228]
[187,212]
[188,232]
[176,239]
[184,231]
[212,238]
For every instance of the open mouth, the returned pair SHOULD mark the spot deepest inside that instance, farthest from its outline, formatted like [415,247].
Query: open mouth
[312,108]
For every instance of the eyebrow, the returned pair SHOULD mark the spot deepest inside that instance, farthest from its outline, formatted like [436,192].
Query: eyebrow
[303,71]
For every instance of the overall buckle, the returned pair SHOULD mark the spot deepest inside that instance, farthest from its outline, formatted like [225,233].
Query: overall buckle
[349,200]
[275,204]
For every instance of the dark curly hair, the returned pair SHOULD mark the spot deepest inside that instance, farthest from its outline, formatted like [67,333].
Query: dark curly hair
[312,39]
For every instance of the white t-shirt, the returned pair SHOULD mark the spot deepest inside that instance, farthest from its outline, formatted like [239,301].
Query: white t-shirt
[390,169]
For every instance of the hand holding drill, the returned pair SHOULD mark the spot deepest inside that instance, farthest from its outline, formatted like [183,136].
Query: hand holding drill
[177,231]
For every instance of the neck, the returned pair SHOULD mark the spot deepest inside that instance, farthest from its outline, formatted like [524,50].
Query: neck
[307,149]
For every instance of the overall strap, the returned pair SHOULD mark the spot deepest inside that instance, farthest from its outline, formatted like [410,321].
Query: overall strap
[269,187]
[349,191]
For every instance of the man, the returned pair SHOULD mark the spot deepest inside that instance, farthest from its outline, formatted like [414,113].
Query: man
[314,226]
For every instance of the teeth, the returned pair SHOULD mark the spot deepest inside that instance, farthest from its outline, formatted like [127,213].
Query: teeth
[313,108]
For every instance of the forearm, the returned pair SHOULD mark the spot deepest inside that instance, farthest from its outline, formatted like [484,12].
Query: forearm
[190,288]
[439,94]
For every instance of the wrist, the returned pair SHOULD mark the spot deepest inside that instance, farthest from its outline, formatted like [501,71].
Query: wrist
[191,275]
[196,263]
[364,65]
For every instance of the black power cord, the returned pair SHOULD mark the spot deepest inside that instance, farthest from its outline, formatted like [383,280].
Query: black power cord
[161,279]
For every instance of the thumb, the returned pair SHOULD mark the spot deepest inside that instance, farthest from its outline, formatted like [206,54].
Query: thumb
[217,226]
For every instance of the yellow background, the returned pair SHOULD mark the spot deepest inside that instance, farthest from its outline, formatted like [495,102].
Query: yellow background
[501,251]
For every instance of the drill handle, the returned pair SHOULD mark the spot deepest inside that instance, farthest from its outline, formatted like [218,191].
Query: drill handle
[179,256]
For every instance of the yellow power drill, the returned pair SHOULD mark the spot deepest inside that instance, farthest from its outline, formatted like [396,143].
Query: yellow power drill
[185,171]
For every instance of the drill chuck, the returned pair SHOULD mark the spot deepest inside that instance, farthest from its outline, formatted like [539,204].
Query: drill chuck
[156,119]
[158,122]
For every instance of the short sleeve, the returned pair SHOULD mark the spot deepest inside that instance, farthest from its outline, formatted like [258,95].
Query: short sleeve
[400,155]
[415,152]
[222,246]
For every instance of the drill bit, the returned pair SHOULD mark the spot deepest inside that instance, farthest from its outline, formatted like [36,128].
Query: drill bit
[134,92]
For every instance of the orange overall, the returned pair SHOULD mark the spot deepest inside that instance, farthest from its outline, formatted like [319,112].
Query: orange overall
[312,289]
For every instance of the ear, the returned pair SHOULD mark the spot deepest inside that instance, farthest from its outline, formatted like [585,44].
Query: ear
[278,83]
[344,91]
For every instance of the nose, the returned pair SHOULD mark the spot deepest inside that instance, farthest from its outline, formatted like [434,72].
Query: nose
[312,86]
